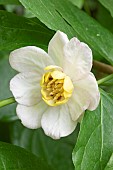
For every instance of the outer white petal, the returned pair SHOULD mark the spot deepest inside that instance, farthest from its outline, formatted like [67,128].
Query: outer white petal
[78,59]
[31,116]
[26,88]
[57,122]
[29,58]
[85,96]
[55,48]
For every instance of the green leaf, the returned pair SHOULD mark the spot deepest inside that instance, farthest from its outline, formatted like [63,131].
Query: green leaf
[108,4]
[104,18]
[18,31]
[49,15]
[79,3]
[95,142]
[56,152]
[64,16]
[109,165]
[5,2]
[16,158]
[7,113]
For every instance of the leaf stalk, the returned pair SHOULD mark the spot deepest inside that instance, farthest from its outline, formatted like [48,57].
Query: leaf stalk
[103,80]
[7,101]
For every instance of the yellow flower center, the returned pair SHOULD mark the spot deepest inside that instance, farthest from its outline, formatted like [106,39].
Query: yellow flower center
[56,86]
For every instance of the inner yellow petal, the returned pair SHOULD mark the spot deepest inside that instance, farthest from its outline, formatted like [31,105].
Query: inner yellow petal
[58,75]
[52,67]
[67,95]
[42,80]
[68,85]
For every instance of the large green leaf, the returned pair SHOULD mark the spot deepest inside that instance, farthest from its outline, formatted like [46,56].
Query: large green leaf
[16,158]
[47,12]
[95,142]
[56,152]
[18,31]
[64,16]
[108,4]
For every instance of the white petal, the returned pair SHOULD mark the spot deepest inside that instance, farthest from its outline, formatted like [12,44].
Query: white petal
[31,116]
[27,59]
[26,88]
[85,96]
[56,122]
[78,59]
[55,48]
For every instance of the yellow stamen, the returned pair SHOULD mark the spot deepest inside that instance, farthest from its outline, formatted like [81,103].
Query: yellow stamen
[56,86]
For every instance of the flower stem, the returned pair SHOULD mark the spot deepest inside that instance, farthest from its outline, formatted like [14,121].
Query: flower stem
[7,101]
[107,78]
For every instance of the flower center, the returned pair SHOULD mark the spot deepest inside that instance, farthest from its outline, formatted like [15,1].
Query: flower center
[56,86]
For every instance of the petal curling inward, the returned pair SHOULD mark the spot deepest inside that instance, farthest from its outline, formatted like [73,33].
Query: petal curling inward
[68,85]
[56,122]
[26,88]
[85,96]
[52,67]
[31,116]
[77,60]
[58,74]
[30,58]
[55,48]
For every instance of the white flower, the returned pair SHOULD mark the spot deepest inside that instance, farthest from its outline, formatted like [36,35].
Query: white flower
[53,90]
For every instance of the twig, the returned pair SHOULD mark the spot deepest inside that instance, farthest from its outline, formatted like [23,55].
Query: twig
[102,67]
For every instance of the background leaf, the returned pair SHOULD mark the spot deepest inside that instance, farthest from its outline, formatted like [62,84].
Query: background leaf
[56,152]
[108,4]
[95,142]
[79,3]
[6,73]
[13,157]
[5,2]
[64,16]
[18,31]
[104,17]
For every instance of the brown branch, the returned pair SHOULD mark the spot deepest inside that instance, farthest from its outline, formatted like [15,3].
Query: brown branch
[102,67]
